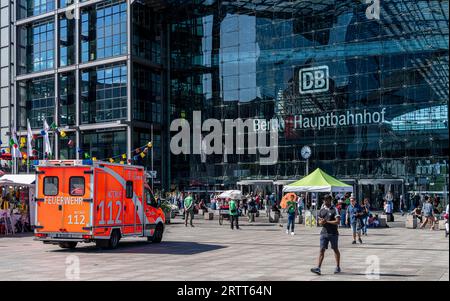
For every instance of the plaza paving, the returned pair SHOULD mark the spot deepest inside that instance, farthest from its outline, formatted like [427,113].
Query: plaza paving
[259,251]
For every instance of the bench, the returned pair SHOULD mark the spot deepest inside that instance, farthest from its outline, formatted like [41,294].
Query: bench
[209,216]
[411,222]
[388,217]
[383,222]
[274,217]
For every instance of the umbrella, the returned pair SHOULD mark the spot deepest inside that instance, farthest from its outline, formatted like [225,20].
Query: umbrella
[287,197]
[231,194]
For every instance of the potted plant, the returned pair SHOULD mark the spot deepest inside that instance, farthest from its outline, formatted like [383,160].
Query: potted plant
[167,208]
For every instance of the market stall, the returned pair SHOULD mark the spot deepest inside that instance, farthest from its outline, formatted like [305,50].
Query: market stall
[16,195]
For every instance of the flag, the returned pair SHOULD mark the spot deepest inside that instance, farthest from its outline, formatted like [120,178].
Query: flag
[53,126]
[63,134]
[15,151]
[124,156]
[111,160]
[29,140]
[142,155]
[47,146]
[150,144]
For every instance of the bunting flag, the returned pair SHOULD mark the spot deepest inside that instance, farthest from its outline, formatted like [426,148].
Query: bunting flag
[22,142]
[53,126]
[62,134]
[124,156]
[142,155]
[47,146]
[121,162]
[111,160]
[94,158]
[70,143]
[30,138]
[150,144]
[86,156]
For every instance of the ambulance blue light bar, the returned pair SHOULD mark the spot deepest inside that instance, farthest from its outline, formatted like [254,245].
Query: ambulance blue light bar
[63,162]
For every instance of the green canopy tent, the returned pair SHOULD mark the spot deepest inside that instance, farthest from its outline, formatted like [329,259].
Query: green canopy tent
[318,181]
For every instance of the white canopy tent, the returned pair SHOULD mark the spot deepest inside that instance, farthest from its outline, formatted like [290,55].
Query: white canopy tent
[18,180]
[231,194]
[22,180]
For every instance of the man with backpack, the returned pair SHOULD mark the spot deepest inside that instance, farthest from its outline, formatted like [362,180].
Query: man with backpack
[291,204]
[252,210]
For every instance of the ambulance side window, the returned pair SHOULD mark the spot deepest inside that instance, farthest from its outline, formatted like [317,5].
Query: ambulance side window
[51,186]
[129,190]
[76,186]
[149,198]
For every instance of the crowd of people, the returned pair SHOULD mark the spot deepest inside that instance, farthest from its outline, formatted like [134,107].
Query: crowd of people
[359,216]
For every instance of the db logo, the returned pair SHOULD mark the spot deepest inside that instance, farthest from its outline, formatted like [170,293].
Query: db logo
[314,80]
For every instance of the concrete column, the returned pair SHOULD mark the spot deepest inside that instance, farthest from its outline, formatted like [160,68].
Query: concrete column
[129,81]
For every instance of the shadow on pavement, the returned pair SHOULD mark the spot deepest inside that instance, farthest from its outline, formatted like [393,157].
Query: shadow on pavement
[381,275]
[143,247]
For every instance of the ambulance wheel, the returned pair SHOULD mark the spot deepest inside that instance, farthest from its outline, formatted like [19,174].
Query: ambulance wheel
[157,236]
[110,243]
[68,244]
[114,239]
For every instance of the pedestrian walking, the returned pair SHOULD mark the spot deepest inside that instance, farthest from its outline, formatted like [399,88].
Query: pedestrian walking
[354,215]
[365,217]
[401,205]
[446,221]
[234,217]
[291,204]
[188,210]
[252,210]
[329,220]
[427,213]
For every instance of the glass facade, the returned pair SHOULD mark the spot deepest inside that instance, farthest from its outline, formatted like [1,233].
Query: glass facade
[146,94]
[249,60]
[37,46]
[67,99]
[368,93]
[66,41]
[104,94]
[104,144]
[29,8]
[103,30]
[38,95]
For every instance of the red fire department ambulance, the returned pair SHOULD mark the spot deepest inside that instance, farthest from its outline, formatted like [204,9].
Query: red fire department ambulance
[92,201]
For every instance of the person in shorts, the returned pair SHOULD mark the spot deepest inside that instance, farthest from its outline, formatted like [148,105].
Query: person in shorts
[329,219]
[354,216]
